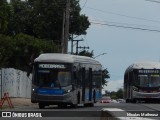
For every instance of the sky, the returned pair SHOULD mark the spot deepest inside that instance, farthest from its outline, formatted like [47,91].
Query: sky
[127,30]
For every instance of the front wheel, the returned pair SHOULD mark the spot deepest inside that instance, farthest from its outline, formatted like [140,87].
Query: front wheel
[127,101]
[89,105]
[134,101]
[41,106]
[74,105]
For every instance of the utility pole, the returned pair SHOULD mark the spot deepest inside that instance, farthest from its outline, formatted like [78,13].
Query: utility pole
[63,26]
[72,44]
[76,45]
[83,47]
[65,33]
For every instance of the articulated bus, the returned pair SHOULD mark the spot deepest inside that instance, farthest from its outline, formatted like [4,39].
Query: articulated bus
[63,79]
[142,82]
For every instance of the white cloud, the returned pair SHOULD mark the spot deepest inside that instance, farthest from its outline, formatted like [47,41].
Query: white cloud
[114,85]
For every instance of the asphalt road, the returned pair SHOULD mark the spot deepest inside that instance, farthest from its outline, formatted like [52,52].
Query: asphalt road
[121,110]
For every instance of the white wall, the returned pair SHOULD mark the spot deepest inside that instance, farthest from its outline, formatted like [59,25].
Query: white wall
[15,82]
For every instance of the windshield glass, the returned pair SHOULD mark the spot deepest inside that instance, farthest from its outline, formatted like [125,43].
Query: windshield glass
[53,78]
[64,78]
[155,80]
[143,79]
[148,80]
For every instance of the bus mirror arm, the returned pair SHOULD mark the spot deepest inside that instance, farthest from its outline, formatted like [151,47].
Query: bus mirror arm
[73,86]
[30,66]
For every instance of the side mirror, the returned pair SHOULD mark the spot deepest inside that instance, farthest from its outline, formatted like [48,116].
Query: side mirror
[30,66]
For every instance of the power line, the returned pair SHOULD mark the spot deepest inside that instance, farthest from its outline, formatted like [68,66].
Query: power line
[122,15]
[99,21]
[84,4]
[129,27]
[153,1]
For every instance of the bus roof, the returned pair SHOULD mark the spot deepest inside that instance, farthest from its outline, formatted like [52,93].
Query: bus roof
[64,58]
[144,65]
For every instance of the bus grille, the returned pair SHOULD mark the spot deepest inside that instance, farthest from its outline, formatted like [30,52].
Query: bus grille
[51,98]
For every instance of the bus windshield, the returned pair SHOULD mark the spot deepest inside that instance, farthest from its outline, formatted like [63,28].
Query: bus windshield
[148,80]
[53,78]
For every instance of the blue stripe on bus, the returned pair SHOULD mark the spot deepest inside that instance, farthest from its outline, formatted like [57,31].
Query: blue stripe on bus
[98,95]
[50,91]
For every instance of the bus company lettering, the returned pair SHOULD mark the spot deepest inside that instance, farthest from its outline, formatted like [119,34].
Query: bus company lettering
[148,71]
[52,66]
[32,114]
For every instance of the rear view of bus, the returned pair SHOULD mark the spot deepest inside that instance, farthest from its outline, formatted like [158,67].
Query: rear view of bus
[142,82]
[59,79]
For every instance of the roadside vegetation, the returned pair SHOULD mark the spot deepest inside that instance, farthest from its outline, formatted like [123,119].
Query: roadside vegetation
[29,28]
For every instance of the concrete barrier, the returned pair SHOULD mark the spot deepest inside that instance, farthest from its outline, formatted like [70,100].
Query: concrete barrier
[15,82]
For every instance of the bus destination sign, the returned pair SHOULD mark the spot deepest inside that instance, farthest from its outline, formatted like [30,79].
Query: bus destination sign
[148,71]
[56,66]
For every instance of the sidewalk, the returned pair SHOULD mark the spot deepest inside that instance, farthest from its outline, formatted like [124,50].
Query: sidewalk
[18,102]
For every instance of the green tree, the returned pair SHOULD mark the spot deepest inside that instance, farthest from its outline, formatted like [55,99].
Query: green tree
[43,18]
[19,18]
[120,93]
[7,46]
[4,10]
[113,95]
[78,22]
[86,53]
[105,75]
[18,51]
[34,27]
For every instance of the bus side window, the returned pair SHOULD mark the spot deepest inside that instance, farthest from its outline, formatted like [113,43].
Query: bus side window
[79,77]
[75,76]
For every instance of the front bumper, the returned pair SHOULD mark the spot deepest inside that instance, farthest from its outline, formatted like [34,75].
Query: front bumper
[51,99]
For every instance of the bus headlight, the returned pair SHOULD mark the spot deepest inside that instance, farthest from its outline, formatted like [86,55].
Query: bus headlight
[68,91]
[33,90]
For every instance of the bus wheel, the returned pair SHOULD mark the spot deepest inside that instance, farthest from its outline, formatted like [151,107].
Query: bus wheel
[74,105]
[41,106]
[78,98]
[134,100]
[89,105]
[62,105]
[127,100]
[94,96]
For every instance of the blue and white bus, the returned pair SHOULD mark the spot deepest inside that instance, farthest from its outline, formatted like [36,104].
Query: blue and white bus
[142,82]
[63,79]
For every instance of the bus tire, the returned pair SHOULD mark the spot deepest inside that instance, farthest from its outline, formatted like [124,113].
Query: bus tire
[89,105]
[74,105]
[127,100]
[62,105]
[78,98]
[134,100]
[41,106]
[94,96]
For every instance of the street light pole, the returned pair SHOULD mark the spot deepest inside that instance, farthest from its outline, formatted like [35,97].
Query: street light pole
[99,55]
